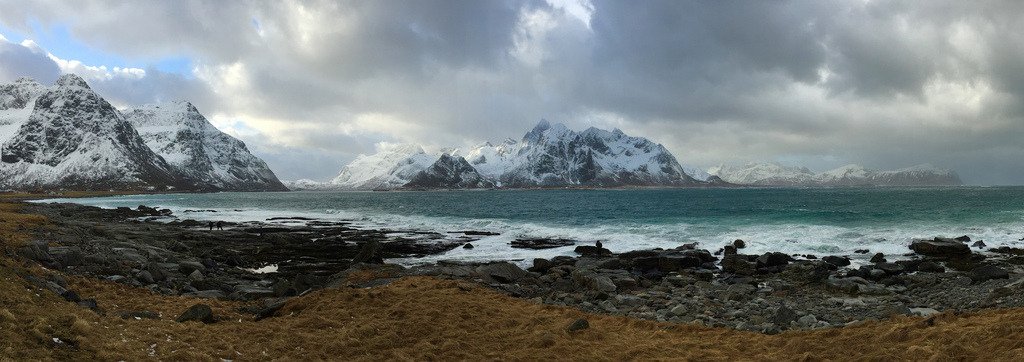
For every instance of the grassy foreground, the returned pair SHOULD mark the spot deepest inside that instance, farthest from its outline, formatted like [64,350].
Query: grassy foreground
[427,319]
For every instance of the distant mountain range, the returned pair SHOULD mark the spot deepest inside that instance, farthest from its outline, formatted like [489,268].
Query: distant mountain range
[67,136]
[772,174]
[549,155]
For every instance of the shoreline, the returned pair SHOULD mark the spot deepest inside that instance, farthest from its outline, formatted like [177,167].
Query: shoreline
[766,293]
[383,312]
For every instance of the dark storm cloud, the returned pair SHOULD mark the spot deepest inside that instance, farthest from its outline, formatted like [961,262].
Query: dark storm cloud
[19,61]
[888,84]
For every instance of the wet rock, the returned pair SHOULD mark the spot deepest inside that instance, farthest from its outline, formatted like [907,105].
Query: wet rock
[890,268]
[839,261]
[963,239]
[590,250]
[541,265]
[930,267]
[980,244]
[773,259]
[199,313]
[739,244]
[988,272]
[878,258]
[539,244]
[862,251]
[738,264]
[729,250]
[940,247]
[578,325]
[369,253]
[468,246]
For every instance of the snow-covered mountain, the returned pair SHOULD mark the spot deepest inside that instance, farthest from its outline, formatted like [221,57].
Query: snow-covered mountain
[772,174]
[553,155]
[391,167]
[550,155]
[73,138]
[449,172]
[201,154]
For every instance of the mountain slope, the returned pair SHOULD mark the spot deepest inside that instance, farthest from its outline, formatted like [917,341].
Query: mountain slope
[201,154]
[449,172]
[16,102]
[74,139]
[771,174]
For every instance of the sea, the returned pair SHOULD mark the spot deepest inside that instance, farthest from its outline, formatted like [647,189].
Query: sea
[818,221]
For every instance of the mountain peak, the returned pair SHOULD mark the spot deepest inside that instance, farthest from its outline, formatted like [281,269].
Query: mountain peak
[542,125]
[71,80]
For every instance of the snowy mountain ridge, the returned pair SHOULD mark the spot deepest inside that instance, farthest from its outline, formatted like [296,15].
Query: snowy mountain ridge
[549,155]
[773,174]
[67,136]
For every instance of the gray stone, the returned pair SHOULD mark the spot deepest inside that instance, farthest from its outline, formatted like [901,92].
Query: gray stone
[578,325]
[941,247]
[199,313]
[503,272]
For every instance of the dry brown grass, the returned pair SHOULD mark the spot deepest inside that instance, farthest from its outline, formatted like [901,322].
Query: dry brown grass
[423,318]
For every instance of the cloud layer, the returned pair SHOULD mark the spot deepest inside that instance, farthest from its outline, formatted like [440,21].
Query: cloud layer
[885,84]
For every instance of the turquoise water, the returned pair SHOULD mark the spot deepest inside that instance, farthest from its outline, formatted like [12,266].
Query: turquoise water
[819,221]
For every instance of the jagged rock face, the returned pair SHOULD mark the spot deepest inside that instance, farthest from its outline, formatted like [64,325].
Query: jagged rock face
[553,155]
[75,139]
[449,172]
[769,174]
[202,155]
[20,94]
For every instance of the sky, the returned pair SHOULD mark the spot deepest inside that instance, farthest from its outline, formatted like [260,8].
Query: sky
[309,85]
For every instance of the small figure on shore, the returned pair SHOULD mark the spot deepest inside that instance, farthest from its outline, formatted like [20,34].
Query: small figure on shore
[211,225]
[598,244]
[220,225]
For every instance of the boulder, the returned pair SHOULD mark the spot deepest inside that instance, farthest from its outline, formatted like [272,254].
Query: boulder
[980,244]
[199,313]
[578,325]
[930,267]
[468,246]
[540,265]
[739,244]
[940,247]
[988,272]
[839,261]
[729,250]
[890,268]
[587,279]
[590,250]
[541,243]
[878,258]
[783,316]
[773,259]
[503,272]
[738,264]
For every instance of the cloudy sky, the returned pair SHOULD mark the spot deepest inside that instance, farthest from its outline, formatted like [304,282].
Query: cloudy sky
[309,85]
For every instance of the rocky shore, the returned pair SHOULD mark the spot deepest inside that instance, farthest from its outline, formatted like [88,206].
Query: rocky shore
[766,293]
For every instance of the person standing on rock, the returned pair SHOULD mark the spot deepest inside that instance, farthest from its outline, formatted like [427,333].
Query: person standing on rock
[211,225]
[220,225]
